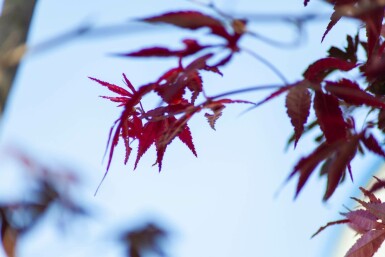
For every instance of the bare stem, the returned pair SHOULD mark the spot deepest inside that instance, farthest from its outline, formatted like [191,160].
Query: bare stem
[267,64]
[245,90]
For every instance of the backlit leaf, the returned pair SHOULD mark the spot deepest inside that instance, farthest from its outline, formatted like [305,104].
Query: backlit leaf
[367,245]
[217,113]
[362,221]
[114,88]
[377,209]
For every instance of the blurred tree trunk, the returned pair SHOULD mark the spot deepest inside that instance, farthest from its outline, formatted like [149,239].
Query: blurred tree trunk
[14,25]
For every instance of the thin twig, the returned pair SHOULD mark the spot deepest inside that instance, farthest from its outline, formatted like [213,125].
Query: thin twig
[267,64]
[281,44]
[245,90]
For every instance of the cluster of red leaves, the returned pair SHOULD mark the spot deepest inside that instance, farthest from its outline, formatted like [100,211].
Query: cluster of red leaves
[161,125]
[334,102]
[369,12]
[340,140]
[368,221]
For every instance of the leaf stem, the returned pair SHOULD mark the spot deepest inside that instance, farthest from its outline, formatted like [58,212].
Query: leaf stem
[245,90]
[267,64]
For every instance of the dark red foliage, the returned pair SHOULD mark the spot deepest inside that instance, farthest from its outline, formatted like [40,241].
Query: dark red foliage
[330,117]
[350,51]
[333,100]
[191,47]
[195,20]
[317,71]
[337,155]
[351,93]
[378,185]
[180,87]
[114,88]
[340,161]
[160,126]
[370,14]
[372,144]
[153,133]
[381,120]
[130,125]
[308,164]
[191,20]
[372,17]
[375,69]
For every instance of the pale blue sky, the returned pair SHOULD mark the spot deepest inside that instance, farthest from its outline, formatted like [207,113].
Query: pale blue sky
[220,204]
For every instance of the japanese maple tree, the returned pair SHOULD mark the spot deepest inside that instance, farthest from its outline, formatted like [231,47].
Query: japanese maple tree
[334,100]
[337,88]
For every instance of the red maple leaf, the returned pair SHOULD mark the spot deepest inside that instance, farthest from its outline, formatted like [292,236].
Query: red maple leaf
[379,184]
[330,118]
[362,221]
[229,29]
[369,222]
[368,244]
[317,71]
[114,88]
[351,93]
[340,161]
[297,106]
[191,20]
[371,14]
[191,47]
[171,86]
[350,51]
[308,164]
[372,144]
[336,157]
